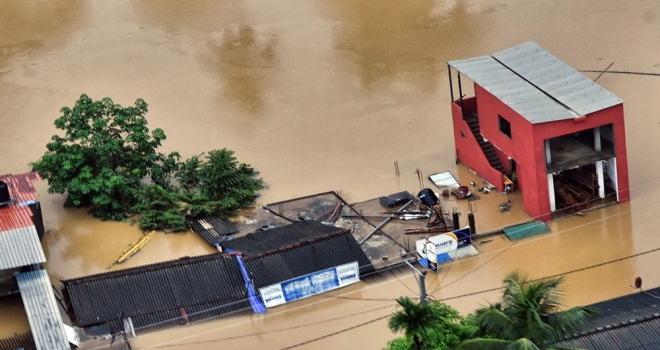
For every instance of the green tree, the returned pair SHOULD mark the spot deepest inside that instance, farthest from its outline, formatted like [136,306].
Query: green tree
[107,160]
[105,153]
[529,316]
[228,184]
[428,326]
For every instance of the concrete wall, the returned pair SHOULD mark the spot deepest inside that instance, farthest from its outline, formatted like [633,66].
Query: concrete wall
[526,146]
[468,151]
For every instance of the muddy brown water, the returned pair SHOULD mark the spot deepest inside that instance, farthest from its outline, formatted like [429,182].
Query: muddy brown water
[324,95]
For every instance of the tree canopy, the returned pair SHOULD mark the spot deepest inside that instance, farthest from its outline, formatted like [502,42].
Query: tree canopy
[434,325]
[108,160]
[530,316]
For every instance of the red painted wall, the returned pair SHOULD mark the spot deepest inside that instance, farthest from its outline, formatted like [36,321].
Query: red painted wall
[612,115]
[468,151]
[526,147]
[520,147]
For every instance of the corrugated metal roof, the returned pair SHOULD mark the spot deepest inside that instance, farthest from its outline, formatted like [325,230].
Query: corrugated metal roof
[42,311]
[15,216]
[511,89]
[19,240]
[624,323]
[280,237]
[625,308]
[309,257]
[536,84]
[20,247]
[643,335]
[526,230]
[213,229]
[556,78]
[210,285]
[20,185]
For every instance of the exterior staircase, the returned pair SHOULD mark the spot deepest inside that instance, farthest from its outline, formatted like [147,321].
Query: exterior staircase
[486,147]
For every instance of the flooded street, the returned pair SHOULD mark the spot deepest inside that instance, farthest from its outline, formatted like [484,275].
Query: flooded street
[317,96]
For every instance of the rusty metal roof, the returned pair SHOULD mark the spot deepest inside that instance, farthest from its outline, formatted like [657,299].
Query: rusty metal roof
[20,185]
[536,84]
[42,311]
[19,240]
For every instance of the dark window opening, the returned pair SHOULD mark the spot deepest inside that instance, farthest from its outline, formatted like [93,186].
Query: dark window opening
[505,126]
[462,134]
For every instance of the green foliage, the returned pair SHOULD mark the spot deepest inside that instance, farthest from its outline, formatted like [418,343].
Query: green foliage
[107,160]
[434,326]
[223,178]
[106,151]
[530,313]
[224,183]
[159,208]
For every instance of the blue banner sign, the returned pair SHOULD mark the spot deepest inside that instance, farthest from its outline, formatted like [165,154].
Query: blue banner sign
[311,284]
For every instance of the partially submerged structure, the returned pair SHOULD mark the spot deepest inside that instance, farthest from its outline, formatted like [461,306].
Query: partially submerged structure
[21,259]
[196,288]
[167,293]
[297,249]
[629,322]
[539,125]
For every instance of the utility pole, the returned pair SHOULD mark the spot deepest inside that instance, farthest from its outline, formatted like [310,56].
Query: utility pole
[420,276]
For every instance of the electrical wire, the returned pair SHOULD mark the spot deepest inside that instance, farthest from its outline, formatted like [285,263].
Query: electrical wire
[442,300]
[454,281]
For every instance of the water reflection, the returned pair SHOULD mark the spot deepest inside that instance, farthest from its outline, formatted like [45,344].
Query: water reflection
[244,59]
[402,41]
[27,25]
[241,56]
[204,16]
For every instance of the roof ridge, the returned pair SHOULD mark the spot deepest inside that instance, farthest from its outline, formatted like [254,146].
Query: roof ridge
[147,268]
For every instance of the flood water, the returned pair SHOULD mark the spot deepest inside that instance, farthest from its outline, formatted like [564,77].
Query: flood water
[324,95]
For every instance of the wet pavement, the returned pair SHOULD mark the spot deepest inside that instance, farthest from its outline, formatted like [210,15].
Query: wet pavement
[318,96]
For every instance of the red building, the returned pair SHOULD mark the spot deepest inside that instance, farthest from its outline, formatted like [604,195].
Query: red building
[532,119]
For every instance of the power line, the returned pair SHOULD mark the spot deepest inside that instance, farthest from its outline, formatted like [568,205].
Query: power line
[388,306]
[275,330]
[469,272]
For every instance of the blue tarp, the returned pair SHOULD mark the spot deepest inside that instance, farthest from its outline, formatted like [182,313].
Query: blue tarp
[257,305]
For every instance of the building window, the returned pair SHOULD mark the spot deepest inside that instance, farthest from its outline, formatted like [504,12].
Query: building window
[462,134]
[505,126]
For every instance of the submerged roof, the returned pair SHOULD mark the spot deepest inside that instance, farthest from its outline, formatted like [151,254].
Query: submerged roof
[624,323]
[42,311]
[280,237]
[195,288]
[536,84]
[317,255]
[213,229]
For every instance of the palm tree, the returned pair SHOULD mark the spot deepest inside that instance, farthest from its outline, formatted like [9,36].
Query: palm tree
[415,319]
[529,316]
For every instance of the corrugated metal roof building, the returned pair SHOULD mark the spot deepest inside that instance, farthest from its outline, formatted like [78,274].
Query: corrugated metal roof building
[630,322]
[19,240]
[321,253]
[533,117]
[213,229]
[20,250]
[42,311]
[182,290]
[263,242]
[20,247]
